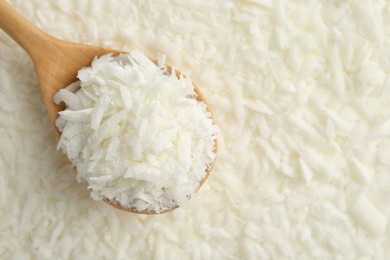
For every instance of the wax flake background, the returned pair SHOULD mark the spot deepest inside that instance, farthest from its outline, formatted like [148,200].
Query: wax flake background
[300,92]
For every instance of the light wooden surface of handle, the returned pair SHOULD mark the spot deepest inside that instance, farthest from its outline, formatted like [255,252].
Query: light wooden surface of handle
[27,35]
[56,61]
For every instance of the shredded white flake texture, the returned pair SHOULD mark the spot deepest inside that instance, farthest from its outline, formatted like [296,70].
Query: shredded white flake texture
[300,92]
[136,133]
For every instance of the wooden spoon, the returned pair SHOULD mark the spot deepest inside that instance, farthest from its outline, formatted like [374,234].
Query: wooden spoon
[57,63]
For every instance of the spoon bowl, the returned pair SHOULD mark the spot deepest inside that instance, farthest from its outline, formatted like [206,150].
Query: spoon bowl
[57,63]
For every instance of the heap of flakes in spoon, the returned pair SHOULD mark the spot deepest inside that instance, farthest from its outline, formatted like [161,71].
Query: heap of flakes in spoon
[136,133]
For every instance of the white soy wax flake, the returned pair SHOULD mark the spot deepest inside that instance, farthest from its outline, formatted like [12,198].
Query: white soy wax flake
[368,216]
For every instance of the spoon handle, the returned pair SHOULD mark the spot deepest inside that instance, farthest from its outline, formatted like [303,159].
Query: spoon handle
[27,35]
